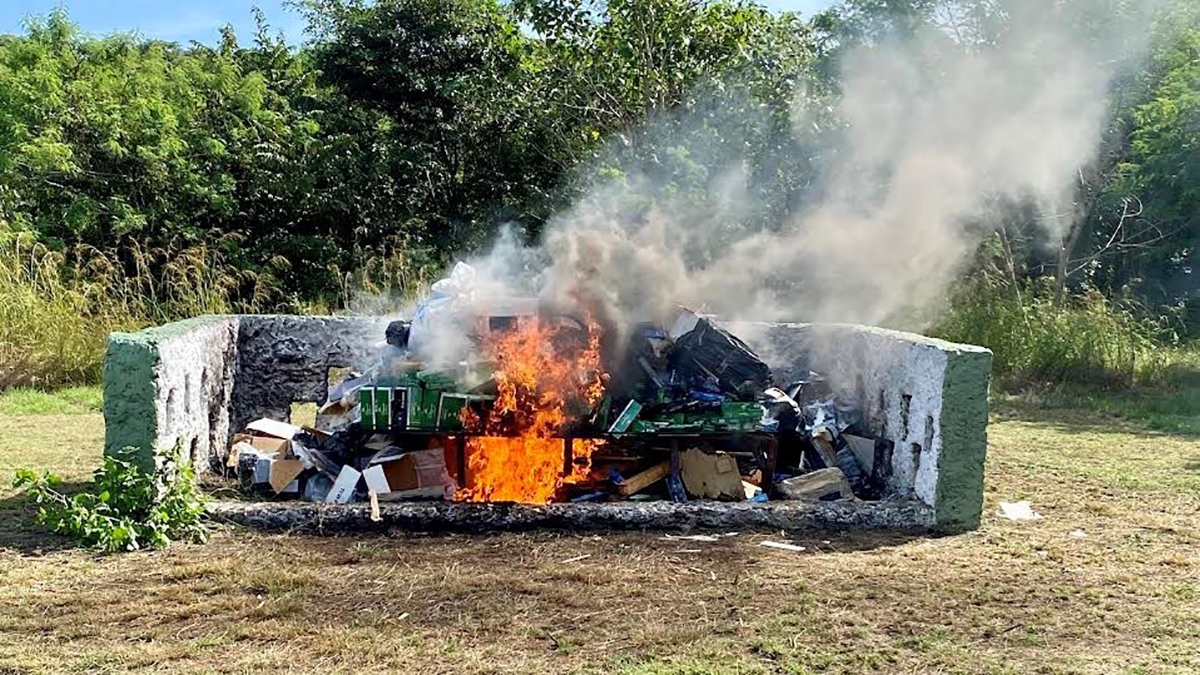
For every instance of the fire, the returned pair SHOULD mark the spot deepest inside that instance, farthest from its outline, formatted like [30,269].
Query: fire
[544,378]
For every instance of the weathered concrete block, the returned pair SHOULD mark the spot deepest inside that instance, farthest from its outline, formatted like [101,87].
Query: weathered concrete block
[928,396]
[171,384]
[703,515]
[196,382]
[286,359]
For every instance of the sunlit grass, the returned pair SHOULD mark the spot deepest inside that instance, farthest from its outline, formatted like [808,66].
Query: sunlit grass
[1105,582]
[61,401]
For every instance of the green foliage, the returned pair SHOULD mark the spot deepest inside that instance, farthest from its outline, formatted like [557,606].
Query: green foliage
[125,509]
[680,97]
[144,181]
[57,307]
[1161,169]
[1034,339]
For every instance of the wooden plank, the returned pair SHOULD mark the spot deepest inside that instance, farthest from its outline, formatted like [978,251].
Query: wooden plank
[821,484]
[645,479]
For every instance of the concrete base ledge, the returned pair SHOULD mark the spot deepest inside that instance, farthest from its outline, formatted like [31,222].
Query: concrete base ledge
[669,516]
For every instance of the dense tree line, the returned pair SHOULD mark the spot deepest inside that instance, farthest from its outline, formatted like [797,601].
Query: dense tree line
[412,129]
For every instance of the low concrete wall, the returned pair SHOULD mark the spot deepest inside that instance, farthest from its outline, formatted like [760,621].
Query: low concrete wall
[286,359]
[196,381]
[704,515]
[929,397]
[171,384]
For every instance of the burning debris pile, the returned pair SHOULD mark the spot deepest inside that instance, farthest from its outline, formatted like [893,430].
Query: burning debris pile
[500,400]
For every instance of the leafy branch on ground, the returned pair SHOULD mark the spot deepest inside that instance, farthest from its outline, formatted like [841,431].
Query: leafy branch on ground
[126,508]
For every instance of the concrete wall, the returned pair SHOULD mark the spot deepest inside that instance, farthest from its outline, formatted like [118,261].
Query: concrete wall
[286,359]
[929,397]
[171,384]
[199,380]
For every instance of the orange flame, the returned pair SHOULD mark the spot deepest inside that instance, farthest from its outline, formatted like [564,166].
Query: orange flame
[542,381]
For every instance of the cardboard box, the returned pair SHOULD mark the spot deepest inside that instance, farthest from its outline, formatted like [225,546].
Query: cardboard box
[450,408]
[344,486]
[272,428]
[711,475]
[284,475]
[265,445]
[383,408]
[395,474]
[336,416]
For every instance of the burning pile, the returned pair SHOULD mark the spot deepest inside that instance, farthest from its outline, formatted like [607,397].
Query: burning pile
[498,400]
[544,378]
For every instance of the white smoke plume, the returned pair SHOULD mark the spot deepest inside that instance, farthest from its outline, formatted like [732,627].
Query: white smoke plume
[933,137]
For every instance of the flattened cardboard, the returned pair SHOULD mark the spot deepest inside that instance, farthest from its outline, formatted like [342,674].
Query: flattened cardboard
[684,323]
[377,442]
[864,451]
[320,434]
[270,445]
[375,478]
[396,474]
[283,475]
[265,445]
[272,428]
[711,475]
[236,451]
[433,492]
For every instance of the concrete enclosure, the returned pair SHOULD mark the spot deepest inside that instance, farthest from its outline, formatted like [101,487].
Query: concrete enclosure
[195,382]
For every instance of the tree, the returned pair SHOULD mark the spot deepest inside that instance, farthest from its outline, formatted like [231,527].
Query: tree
[448,84]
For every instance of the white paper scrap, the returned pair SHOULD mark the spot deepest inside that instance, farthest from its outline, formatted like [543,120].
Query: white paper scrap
[781,545]
[1018,511]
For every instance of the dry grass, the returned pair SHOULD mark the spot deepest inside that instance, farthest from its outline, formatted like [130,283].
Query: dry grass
[57,307]
[1010,598]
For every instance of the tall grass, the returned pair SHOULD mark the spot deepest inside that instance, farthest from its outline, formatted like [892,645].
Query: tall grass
[387,282]
[57,308]
[1085,339]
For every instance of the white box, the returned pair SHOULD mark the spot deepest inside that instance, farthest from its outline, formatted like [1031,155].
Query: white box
[343,487]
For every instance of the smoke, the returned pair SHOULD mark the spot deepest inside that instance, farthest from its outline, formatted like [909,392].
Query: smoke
[933,137]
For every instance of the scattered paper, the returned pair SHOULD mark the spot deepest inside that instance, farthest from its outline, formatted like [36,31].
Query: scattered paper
[273,428]
[781,545]
[692,537]
[576,558]
[1018,511]
[1078,534]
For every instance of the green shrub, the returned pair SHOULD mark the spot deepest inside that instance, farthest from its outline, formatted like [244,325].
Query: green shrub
[126,509]
[1086,339]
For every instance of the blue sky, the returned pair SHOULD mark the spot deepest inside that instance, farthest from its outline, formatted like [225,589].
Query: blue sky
[184,20]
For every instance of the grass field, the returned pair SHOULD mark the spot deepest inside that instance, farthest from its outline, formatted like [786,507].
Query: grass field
[1107,582]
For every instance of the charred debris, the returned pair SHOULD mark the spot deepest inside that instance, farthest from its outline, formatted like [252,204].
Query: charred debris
[535,408]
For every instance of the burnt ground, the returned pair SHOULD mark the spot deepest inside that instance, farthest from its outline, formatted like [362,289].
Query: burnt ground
[1107,582]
